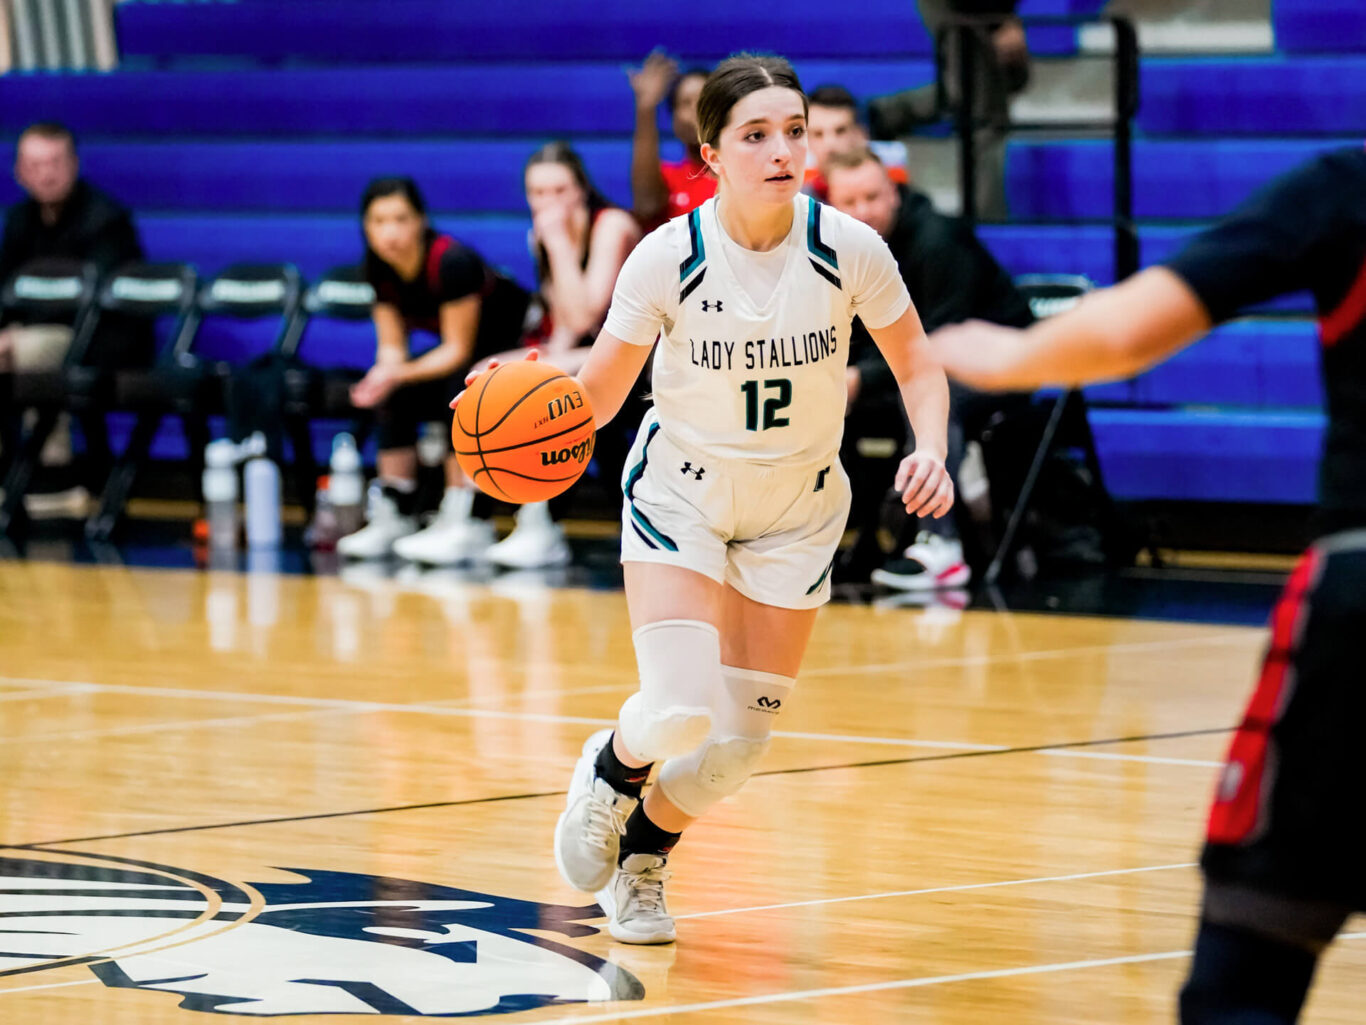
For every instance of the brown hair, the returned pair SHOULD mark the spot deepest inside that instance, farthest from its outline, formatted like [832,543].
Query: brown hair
[735,78]
[560,152]
[54,131]
[851,160]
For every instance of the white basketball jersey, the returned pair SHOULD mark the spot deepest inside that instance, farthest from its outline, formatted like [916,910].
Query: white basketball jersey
[745,380]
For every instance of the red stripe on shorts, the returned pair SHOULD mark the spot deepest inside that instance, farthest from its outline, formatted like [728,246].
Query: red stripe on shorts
[1349,313]
[1240,798]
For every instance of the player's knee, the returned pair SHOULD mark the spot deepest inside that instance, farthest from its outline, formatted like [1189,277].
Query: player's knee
[680,677]
[716,770]
[653,734]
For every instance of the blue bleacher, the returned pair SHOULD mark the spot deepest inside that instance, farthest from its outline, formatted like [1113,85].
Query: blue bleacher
[245,130]
[1319,26]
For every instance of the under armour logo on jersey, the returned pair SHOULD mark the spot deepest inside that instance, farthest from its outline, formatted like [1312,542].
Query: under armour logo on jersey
[711,305]
[697,474]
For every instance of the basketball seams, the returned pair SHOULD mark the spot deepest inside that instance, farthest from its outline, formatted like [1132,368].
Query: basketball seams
[478,447]
[526,482]
[523,444]
[509,411]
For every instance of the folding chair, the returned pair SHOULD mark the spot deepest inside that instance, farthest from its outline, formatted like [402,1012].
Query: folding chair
[1048,294]
[186,383]
[45,291]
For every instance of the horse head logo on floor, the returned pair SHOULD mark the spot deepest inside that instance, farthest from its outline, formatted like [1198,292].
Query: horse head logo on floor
[331,943]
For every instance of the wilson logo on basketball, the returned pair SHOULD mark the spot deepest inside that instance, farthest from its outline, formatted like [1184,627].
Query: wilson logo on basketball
[575,454]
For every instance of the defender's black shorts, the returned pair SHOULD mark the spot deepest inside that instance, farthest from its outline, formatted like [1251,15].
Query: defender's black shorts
[1289,810]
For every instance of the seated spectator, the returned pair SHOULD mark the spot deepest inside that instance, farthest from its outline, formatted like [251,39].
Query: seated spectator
[664,189]
[580,241]
[1001,70]
[64,216]
[424,281]
[951,277]
[833,126]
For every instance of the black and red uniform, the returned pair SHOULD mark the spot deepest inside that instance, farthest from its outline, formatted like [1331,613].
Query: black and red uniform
[451,271]
[1288,815]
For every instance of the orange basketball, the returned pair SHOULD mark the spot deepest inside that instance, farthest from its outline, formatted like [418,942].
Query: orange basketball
[523,431]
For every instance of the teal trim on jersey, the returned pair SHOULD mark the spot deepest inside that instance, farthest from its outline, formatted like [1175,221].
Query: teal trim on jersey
[698,256]
[813,236]
[817,585]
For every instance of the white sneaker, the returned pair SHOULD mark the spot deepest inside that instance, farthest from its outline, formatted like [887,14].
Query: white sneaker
[588,833]
[932,562]
[448,541]
[537,542]
[376,539]
[634,901]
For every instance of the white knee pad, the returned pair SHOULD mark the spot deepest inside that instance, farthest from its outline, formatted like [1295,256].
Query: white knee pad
[740,737]
[680,678]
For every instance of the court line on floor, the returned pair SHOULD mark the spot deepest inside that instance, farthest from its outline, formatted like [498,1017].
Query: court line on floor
[1119,756]
[894,984]
[41,693]
[1125,648]
[937,889]
[976,753]
[427,708]
[177,725]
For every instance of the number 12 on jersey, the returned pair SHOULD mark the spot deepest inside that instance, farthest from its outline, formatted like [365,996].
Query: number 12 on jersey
[772,405]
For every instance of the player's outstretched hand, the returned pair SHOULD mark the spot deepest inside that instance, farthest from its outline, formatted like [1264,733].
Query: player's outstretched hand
[924,485]
[479,368]
[977,353]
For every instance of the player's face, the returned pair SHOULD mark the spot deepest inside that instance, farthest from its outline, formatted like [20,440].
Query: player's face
[685,108]
[393,229]
[832,130]
[865,193]
[552,185]
[46,168]
[761,152]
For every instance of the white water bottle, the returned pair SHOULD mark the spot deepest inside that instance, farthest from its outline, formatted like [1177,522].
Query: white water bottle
[261,487]
[220,492]
[346,485]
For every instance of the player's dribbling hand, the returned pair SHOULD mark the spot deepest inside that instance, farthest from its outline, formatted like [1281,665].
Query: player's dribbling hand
[924,485]
[479,368]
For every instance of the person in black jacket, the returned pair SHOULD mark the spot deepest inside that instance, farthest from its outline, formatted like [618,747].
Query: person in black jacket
[951,277]
[63,216]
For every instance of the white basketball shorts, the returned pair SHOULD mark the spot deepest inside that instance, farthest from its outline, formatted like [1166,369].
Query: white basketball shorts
[769,531]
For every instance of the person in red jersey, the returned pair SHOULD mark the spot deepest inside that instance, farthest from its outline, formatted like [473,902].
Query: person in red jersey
[1283,855]
[660,189]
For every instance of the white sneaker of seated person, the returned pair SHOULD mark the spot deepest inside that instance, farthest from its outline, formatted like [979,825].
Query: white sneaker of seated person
[453,536]
[385,525]
[536,542]
[932,562]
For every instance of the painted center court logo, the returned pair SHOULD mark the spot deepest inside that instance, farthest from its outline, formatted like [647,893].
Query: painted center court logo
[328,943]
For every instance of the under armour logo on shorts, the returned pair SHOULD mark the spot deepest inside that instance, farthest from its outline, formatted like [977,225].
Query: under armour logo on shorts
[697,474]
[711,305]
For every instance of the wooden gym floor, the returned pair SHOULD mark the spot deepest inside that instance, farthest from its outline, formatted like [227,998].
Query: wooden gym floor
[265,794]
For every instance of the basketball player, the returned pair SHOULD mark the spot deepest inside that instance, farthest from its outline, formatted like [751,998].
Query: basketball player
[1282,861]
[734,497]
